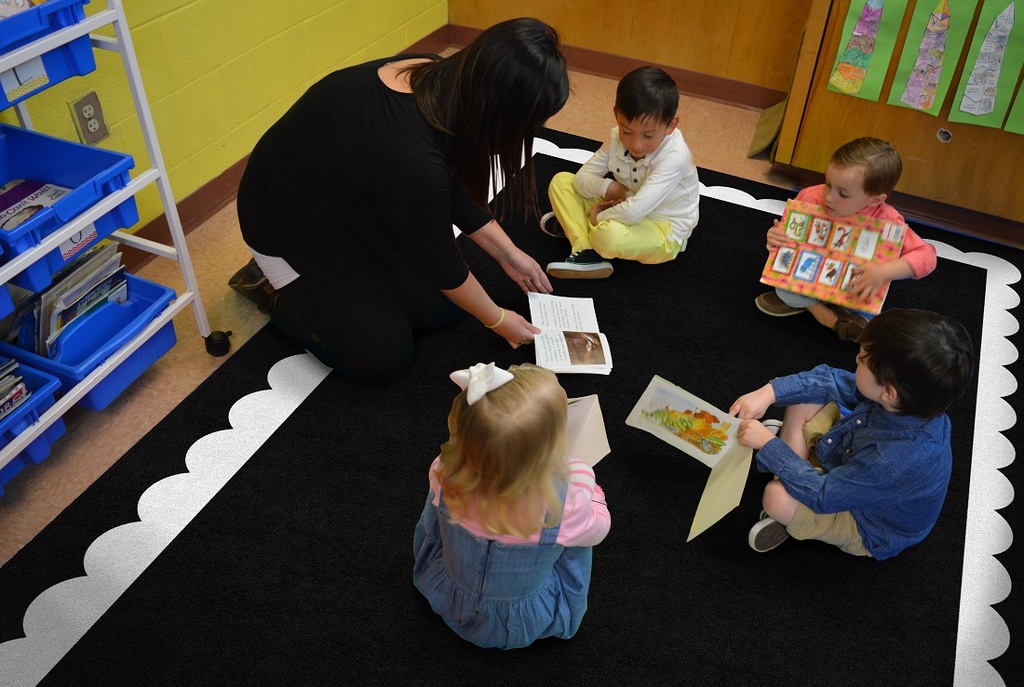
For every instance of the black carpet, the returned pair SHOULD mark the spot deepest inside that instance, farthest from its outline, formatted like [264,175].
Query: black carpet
[298,571]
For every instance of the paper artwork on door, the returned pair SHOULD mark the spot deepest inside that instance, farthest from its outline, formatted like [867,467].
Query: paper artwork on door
[992,67]
[924,80]
[868,37]
[849,74]
[982,86]
[927,67]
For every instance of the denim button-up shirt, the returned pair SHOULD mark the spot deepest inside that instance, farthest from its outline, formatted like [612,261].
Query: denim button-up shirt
[890,471]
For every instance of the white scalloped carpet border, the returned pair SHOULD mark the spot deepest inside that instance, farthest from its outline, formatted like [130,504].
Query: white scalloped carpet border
[59,617]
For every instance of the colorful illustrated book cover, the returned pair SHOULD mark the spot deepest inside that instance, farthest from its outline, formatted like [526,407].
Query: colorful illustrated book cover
[830,254]
[704,432]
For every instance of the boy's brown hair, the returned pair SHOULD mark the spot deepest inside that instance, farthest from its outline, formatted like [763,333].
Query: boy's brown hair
[881,162]
[928,358]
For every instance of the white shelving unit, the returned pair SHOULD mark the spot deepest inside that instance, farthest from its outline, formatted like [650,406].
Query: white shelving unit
[121,43]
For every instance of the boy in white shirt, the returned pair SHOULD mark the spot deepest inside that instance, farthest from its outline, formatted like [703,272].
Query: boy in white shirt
[649,209]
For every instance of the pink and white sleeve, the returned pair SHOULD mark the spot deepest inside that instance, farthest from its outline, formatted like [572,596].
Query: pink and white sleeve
[585,516]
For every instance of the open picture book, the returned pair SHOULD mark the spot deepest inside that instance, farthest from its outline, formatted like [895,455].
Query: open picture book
[704,432]
[570,340]
[830,253]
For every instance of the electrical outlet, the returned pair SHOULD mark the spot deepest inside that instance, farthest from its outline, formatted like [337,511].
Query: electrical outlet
[88,117]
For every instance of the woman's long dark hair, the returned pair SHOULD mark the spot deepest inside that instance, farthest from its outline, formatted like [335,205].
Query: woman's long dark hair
[491,98]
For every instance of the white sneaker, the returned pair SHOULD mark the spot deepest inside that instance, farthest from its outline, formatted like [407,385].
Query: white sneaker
[766,534]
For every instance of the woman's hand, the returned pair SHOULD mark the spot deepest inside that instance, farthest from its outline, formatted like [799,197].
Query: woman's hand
[516,329]
[520,267]
[524,270]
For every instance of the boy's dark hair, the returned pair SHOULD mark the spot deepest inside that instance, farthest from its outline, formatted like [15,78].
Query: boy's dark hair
[491,98]
[926,357]
[881,162]
[647,92]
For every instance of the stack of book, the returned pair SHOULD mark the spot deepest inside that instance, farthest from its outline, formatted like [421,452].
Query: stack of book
[22,198]
[13,391]
[90,280]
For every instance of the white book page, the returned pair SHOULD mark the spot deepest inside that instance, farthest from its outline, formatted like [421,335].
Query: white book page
[560,312]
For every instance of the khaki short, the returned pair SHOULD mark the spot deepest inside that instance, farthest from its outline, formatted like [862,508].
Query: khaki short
[838,529]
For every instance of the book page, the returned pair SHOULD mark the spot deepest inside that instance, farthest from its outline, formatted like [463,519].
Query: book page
[586,436]
[560,312]
[679,418]
[569,340]
[583,352]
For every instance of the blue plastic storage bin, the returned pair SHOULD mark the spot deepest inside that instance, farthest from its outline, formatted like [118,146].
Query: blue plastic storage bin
[91,339]
[74,58]
[6,304]
[43,387]
[90,173]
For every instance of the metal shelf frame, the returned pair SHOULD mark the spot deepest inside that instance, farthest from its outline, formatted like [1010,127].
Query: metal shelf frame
[157,173]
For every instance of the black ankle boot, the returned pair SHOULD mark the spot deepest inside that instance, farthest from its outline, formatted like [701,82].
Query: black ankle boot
[251,283]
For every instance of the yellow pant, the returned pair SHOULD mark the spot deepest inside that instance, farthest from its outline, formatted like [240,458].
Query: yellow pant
[648,241]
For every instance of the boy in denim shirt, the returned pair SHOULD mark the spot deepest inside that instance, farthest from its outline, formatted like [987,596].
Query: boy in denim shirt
[871,482]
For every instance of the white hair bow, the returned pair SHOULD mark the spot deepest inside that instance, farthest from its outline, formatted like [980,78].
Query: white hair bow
[480,379]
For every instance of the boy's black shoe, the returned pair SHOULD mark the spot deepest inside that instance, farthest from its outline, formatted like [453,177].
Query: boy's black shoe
[251,283]
[583,264]
[550,225]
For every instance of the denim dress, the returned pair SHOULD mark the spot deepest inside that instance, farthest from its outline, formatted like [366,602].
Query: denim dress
[495,594]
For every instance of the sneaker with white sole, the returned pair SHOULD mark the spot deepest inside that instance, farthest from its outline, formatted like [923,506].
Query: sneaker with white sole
[550,225]
[583,264]
[766,534]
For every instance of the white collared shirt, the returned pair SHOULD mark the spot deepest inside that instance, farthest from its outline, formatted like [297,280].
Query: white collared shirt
[662,185]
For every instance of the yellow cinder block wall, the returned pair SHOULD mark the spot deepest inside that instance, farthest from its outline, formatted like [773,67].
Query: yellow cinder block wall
[218,73]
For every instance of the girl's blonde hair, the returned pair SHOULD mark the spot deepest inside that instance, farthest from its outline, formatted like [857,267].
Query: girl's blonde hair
[504,453]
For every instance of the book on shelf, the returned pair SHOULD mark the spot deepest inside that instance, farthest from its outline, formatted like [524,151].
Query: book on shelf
[13,391]
[21,199]
[569,340]
[9,8]
[830,253]
[94,278]
[704,432]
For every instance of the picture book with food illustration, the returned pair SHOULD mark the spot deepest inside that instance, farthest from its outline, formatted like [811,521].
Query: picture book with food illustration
[569,340]
[831,252]
[704,432]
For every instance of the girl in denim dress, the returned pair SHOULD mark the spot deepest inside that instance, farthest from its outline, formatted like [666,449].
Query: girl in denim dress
[503,547]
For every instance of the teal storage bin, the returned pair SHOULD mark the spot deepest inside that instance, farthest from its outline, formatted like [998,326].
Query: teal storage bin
[43,387]
[91,339]
[74,58]
[90,173]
